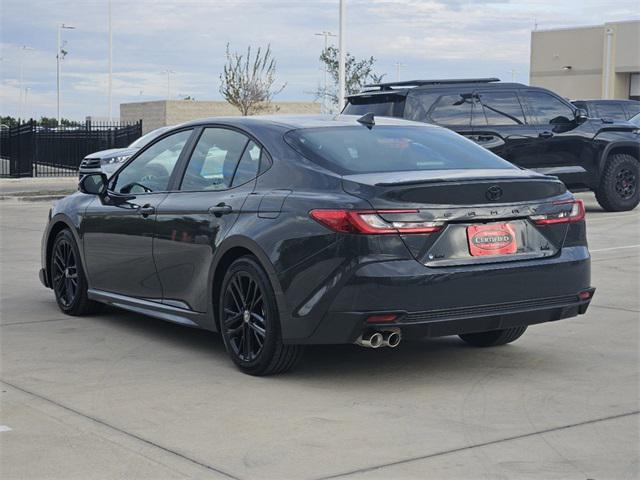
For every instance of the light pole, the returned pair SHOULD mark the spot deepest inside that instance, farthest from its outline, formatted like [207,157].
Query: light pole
[58,52]
[341,62]
[398,65]
[168,72]
[326,36]
[109,85]
[23,49]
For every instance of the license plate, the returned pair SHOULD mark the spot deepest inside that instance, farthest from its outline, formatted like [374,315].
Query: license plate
[491,239]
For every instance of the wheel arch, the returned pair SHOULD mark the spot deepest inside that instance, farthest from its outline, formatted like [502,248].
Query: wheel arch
[628,148]
[227,252]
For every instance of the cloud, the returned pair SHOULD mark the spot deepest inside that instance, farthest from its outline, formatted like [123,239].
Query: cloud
[432,38]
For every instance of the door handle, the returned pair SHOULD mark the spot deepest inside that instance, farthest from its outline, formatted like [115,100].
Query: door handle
[545,135]
[146,210]
[220,209]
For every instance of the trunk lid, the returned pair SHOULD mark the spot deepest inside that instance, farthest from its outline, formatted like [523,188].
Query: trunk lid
[476,206]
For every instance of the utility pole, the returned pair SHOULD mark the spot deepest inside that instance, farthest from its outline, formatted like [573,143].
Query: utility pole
[168,72]
[58,59]
[513,74]
[398,65]
[326,36]
[341,62]
[109,86]
[23,49]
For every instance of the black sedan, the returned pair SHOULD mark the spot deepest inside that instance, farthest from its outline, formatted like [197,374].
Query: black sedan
[285,231]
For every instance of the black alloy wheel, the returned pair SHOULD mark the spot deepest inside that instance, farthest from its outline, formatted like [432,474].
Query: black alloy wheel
[626,183]
[250,323]
[67,277]
[245,316]
[65,273]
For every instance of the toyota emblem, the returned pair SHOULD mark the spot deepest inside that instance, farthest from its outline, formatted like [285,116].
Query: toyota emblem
[494,193]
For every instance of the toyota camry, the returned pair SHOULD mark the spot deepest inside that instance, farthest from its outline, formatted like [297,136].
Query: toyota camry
[279,232]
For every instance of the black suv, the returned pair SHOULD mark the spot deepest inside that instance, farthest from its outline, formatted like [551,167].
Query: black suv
[609,109]
[531,127]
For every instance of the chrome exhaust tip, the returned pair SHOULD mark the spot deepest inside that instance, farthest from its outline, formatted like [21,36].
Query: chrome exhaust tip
[391,338]
[370,340]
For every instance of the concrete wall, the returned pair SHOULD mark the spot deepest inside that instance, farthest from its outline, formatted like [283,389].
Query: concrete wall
[584,50]
[171,112]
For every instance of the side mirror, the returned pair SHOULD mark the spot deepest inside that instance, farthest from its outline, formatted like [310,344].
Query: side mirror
[581,115]
[93,184]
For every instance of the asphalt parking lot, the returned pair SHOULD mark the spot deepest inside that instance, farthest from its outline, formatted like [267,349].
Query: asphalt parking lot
[118,395]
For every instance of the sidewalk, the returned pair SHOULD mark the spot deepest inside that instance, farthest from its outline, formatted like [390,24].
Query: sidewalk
[33,187]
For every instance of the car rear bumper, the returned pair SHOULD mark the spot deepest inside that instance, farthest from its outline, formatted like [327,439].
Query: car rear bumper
[452,300]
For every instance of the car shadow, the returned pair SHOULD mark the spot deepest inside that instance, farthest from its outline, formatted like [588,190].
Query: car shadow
[339,363]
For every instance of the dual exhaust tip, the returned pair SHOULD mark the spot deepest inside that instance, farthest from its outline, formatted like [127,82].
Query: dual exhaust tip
[385,338]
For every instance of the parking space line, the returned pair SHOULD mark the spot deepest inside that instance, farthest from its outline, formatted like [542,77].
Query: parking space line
[613,248]
[4,428]
[482,444]
[123,432]
[620,309]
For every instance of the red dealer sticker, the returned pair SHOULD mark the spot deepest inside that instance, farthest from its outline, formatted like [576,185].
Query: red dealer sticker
[493,239]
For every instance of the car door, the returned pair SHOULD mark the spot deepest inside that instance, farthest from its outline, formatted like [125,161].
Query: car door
[499,125]
[192,220]
[566,146]
[117,231]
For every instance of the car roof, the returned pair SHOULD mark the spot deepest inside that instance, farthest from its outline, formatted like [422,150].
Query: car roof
[403,88]
[293,122]
[608,101]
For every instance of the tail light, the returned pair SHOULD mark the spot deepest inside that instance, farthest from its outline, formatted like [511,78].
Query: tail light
[566,216]
[369,222]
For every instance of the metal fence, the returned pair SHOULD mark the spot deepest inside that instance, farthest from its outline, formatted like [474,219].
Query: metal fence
[30,150]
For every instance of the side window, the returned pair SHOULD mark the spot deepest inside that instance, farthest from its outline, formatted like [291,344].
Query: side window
[548,110]
[418,104]
[498,108]
[611,111]
[452,110]
[248,166]
[214,160]
[633,109]
[151,170]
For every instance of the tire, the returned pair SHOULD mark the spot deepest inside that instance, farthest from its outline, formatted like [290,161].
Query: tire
[250,323]
[67,277]
[493,338]
[619,188]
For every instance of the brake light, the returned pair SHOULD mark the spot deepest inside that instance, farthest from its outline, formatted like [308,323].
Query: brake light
[369,222]
[576,214]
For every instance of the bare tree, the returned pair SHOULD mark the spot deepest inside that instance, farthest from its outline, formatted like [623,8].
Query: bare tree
[247,83]
[357,74]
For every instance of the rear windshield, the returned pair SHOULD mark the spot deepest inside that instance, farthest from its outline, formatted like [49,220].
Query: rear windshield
[379,105]
[352,150]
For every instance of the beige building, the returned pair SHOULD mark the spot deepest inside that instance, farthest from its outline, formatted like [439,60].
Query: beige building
[588,62]
[171,112]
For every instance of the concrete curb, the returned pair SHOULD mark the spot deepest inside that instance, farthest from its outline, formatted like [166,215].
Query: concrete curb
[35,196]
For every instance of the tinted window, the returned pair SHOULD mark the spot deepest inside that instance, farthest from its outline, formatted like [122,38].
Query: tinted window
[417,106]
[613,111]
[498,108]
[248,166]
[151,170]
[632,109]
[452,110]
[347,150]
[548,110]
[380,105]
[214,160]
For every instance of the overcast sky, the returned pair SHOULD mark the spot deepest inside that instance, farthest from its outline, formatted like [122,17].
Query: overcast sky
[431,38]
